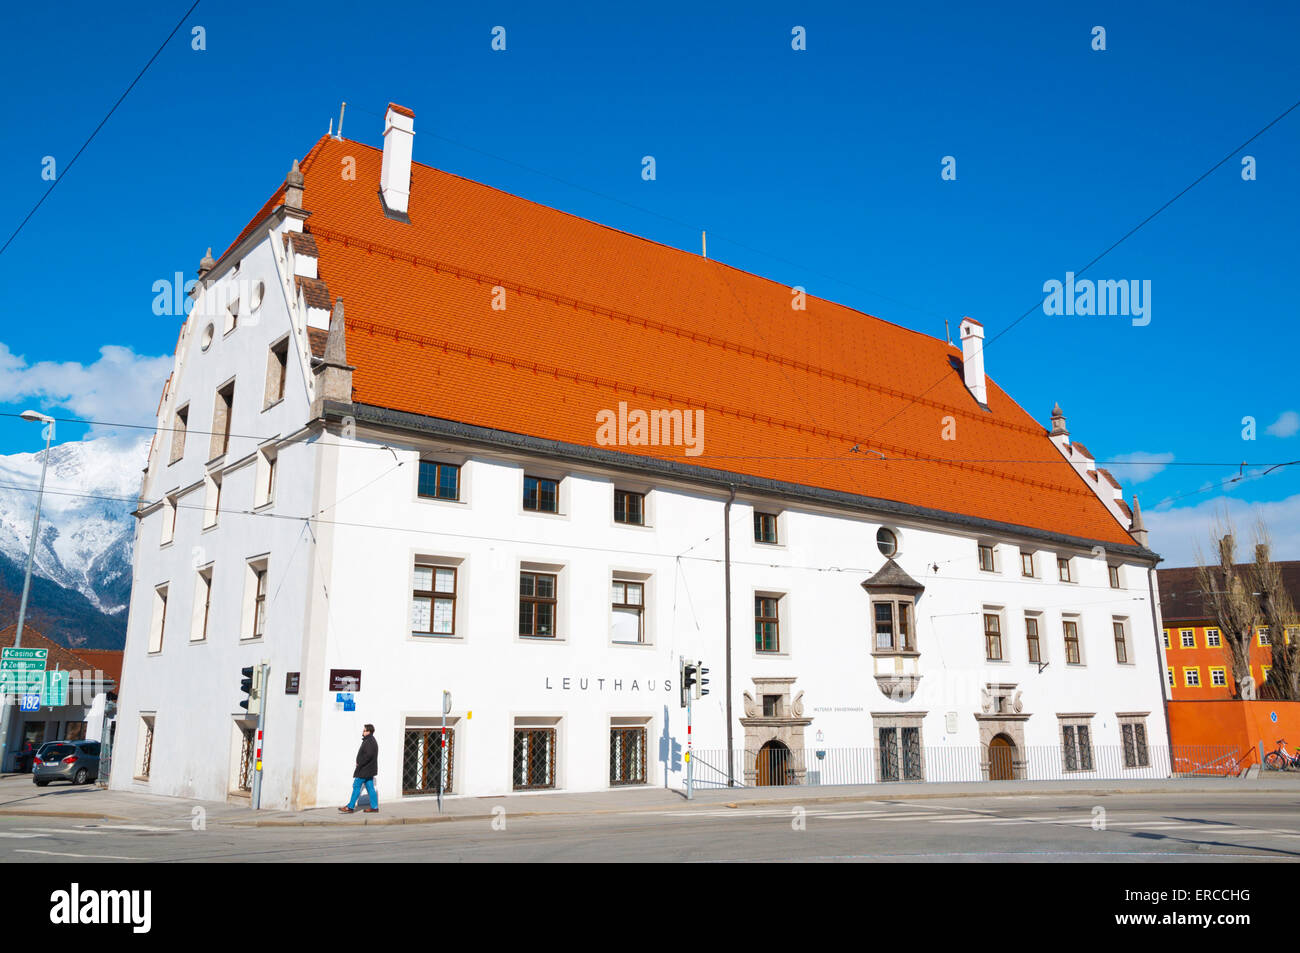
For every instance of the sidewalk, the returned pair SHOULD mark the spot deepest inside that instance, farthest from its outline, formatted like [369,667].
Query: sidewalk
[19,798]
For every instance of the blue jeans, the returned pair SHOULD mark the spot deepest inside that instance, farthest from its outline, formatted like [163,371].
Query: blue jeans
[370,790]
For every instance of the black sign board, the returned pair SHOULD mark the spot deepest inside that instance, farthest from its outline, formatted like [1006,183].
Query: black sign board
[291,683]
[345,679]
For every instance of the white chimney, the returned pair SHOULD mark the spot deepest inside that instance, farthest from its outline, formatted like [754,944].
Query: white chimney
[972,358]
[395,174]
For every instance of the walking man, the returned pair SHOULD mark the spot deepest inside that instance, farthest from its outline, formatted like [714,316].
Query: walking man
[367,768]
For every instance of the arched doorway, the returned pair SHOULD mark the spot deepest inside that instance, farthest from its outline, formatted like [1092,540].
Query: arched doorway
[1001,758]
[773,767]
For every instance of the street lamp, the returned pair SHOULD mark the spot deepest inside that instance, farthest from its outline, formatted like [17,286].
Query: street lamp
[35,417]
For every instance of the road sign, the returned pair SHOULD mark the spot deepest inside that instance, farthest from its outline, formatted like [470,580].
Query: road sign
[51,688]
[29,703]
[31,655]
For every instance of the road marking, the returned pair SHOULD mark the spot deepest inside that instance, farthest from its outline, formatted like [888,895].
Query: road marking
[128,827]
[21,836]
[60,830]
[55,853]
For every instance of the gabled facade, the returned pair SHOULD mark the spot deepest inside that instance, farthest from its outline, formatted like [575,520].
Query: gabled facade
[439,438]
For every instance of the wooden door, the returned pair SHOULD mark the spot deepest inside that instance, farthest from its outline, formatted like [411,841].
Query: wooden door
[1001,749]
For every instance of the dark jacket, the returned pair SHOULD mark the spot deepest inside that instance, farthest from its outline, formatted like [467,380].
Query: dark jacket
[367,758]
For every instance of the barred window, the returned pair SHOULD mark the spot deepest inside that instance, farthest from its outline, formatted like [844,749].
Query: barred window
[1072,656]
[900,753]
[767,624]
[422,760]
[992,637]
[537,604]
[439,481]
[1077,748]
[433,600]
[1121,642]
[541,495]
[627,755]
[534,759]
[765,527]
[629,507]
[1031,638]
[1135,745]
[246,751]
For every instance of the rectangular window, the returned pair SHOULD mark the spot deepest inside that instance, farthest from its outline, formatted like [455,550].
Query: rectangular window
[439,481]
[211,501]
[168,515]
[269,485]
[1063,569]
[1188,637]
[900,753]
[221,414]
[277,366]
[433,600]
[537,604]
[629,508]
[1171,677]
[767,624]
[771,706]
[259,603]
[628,606]
[765,527]
[992,637]
[159,623]
[264,493]
[1218,676]
[1031,637]
[422,760]
[202,605]
[986,557]
[1167,645]
[893,626]
[1026,564]
[1192,677]
[541,495]
[627,755]
[1263,635]
[1134,734]
[1121,642]
[1072,656]
[180,424]
[1114,576]
[534,761]
[1078,747]
[1211,638]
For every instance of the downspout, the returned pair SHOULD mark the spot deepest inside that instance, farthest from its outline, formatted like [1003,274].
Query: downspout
[726,549]
[1164,666]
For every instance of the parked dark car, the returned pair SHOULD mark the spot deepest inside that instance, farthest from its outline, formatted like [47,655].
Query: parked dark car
[23,758]
[73,761]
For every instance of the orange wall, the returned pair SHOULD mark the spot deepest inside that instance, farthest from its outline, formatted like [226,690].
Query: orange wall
[1235,723]
[1204,658]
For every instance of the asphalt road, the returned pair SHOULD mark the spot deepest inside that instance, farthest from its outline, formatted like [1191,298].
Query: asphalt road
[1233,826]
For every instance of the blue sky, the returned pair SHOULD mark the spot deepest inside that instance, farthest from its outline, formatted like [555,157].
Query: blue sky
[801,165]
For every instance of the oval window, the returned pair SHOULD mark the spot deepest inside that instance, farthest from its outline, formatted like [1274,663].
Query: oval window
[206,339]
[886,542]
[255,297]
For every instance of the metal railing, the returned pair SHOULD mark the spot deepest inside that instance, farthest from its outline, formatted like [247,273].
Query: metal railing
[965,764]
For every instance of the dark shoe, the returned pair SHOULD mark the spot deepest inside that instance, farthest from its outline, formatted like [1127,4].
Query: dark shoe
[346,810]
[372,810]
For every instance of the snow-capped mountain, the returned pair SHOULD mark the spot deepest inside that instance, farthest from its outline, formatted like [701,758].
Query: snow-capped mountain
[86,529]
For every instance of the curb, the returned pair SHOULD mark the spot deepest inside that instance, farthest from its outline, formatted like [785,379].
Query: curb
[685,806]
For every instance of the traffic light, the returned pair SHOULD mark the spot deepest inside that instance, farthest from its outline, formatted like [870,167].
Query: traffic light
[251,685]
[700,680]
[689,673]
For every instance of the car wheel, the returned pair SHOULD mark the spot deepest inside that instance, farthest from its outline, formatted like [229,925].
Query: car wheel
[41,784]
[82,776]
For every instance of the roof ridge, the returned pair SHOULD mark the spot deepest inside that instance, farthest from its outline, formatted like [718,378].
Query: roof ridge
[398,334]
[329,234]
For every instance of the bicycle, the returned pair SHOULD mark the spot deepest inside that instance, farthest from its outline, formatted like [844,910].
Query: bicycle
[1280,759]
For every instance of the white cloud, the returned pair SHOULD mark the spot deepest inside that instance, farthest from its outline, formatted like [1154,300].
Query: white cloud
[1286,425]
[120,387]
[1143,468]
[1176,532]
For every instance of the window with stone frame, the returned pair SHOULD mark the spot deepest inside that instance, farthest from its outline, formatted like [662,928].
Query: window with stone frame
[892,625]
[1076,743]
[899,747]
[1133,733]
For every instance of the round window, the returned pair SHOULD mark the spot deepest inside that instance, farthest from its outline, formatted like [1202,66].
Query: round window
[206,339]
[886,542]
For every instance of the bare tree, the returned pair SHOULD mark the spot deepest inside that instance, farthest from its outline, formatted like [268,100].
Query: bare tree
[1230,600]
[1278,612]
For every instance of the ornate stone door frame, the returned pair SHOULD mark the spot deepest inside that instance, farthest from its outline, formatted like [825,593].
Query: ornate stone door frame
[786,726]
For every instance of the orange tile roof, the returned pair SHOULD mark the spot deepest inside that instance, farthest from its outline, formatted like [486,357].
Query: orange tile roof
[595,316]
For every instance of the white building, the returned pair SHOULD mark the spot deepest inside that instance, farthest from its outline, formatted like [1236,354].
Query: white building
[440,436]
